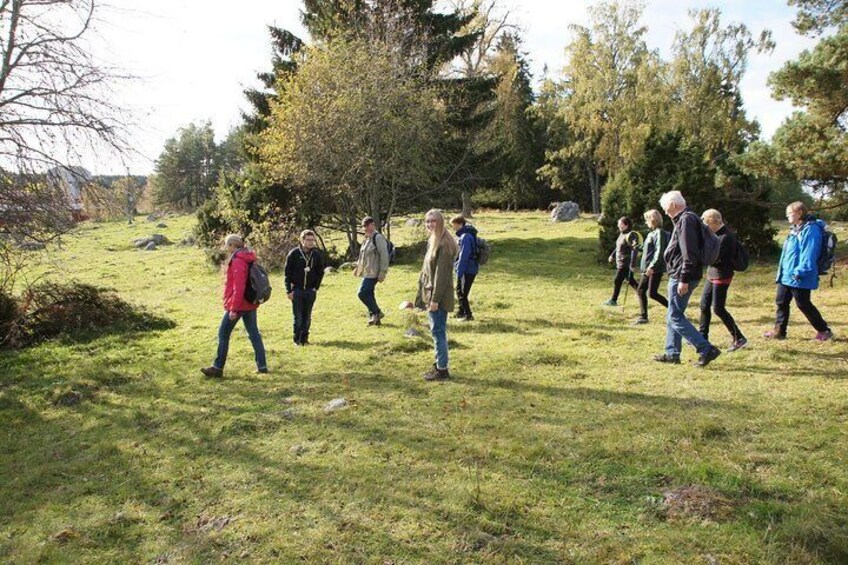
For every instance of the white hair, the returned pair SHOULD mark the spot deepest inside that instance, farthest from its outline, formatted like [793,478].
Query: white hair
[672,197]
[234,239]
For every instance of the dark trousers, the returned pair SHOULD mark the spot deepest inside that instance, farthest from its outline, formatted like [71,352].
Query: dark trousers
[621,275]
[714,299]
[463,289]
[225,330]
[784,297]
[366,295]
[302,303]
[649,286]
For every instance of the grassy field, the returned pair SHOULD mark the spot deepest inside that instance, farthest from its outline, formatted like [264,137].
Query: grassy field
[557,441]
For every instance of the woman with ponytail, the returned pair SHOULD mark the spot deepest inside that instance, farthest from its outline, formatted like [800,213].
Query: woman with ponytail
[435,289]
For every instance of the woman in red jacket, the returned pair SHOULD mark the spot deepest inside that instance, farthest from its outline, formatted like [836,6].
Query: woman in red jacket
[236,306]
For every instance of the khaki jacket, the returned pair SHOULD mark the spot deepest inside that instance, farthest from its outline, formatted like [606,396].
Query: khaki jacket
[436,282]
[373,261]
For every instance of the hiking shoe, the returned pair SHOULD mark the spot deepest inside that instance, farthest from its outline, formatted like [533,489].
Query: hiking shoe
[610,302]
[707,357]
[436,374]
[824,336]
[666,358]
[466,319]
[774,334]
[212,372]
[262,371]
[375,319]
[459,317]
[640,321]
[738,344]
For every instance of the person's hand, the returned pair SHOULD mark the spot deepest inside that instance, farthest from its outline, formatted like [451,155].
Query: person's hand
[291,295]
[609,259]
[381,278]
[682,288]
[649,272]
[233,315]
[434,306]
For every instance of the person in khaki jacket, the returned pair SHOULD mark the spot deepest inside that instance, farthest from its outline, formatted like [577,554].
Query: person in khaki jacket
[435,289]
[373,266]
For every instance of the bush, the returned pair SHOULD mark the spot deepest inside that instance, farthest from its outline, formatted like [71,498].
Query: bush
[75,310]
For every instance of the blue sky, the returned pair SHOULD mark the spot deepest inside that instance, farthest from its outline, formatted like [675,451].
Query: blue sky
[195,57]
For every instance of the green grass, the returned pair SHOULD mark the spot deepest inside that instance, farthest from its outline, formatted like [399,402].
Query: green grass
[556,442]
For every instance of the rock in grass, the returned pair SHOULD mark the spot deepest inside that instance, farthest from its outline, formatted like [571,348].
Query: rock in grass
[413,222]
[349,266]
[161,225]
[565,212]
[297,449]
[151,246]
[335,405]
[329,270]
[412,332]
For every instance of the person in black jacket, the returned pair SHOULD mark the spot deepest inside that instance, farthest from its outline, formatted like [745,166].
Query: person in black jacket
[719,277]
[304,273]
[683,263]
[624,256]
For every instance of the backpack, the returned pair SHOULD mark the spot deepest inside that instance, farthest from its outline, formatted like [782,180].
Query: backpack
[258,287]
[390,247]
[740,257]
[709,244]
[483,250]
[828,251]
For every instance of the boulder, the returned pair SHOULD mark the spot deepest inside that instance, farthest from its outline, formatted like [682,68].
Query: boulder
[141,242]
[159,239]
[335,405]
[150,246]
[413,222]
[161,225]
[412,333]
[349,266]
[154,217]
[565,212]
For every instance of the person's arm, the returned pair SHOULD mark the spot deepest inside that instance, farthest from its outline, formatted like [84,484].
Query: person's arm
[689,242]
[464,255]
[289,270]
[442,278]
[655,237]
[239,283]
[319,265]
[809,242]
[383,252]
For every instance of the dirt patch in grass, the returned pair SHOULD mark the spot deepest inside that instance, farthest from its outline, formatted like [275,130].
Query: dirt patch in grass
[696,502]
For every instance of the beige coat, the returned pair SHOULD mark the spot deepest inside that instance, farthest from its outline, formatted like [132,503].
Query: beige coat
[436,282]
[373,261]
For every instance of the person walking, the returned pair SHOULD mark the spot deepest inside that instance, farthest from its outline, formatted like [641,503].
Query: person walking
[304,272]
[719,277]
[797,273]
[373,266]
[435,289]
[685,269]
[653,265]
[466,265]
[624,255]
[236,307]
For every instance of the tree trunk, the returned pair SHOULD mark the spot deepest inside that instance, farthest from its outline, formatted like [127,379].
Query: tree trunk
[594,187]
[467,208]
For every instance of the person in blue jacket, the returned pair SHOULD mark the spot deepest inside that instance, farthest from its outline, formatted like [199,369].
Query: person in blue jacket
[797,273]
[466,265]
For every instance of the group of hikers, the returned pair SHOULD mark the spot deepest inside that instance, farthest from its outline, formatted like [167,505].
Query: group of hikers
[455,256]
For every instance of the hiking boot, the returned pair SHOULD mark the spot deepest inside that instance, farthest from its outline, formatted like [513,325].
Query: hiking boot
[738,344]
[468,318]
[375,319]
[212,372]
[610,302]
[460,316]
[707,357]
[824,336]
[436,374]
[666,358]
[262,371]
[640,321]
[774,334]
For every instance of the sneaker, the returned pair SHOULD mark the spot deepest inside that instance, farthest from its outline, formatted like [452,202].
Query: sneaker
[666,358]
[738,344]
[436,374]
[640,321]
[459,317]
[707,357]
[466,319]
[610,302]
[375,319]
[262,371]
[212,372]
[774,334]
[824,336]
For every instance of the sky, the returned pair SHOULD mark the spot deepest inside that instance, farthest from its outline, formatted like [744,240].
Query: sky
[193,59]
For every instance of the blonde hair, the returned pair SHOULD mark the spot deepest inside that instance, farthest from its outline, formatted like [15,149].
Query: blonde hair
[440,238]
[653,218]
[234,239]
[712,216]
[797,206]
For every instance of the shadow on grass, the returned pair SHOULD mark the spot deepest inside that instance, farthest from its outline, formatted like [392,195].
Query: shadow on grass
[558,259]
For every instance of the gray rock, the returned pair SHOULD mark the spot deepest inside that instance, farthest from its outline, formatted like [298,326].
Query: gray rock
[150,246]
[154,217]
[349,266]
[159,239]
[329,270]
[413,222]
[335,405]
[412,332]
[565,212]
[142,242]
[288,414]
[161,225]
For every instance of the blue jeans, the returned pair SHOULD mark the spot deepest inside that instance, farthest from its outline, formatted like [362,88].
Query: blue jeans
[439,330]
[226,330]
[678,327]
[302,303]
[366,295]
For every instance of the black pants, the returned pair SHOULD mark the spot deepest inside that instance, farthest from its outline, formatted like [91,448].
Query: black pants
[463,289]
[714,299]
[621,275]
[784,297]
[649,286]
[302,303]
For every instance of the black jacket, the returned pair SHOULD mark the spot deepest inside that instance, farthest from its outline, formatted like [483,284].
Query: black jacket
[683,254]
[723,267]
[296,264]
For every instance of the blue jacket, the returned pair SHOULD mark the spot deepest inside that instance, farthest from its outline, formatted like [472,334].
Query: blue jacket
[466,261]
[800,256]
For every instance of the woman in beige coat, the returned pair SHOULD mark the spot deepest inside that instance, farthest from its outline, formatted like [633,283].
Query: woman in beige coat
[435,289]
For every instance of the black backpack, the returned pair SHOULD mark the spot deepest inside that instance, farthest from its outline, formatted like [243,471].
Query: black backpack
[741,259]
[828,251]
[258,288]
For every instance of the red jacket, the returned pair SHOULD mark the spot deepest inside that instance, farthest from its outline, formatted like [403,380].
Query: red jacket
[237,273]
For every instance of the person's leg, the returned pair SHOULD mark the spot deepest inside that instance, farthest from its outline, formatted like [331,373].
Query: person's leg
[460,310]
[297,315]
[252,327]
[673,343]
[783,299]
[468,281]
[438,329]
[631,279]
[805,305]
[308,303]
[366,295]
[642,295]
[620,275]
[706,309]
[720,308]
[654,290]
[680,325]
[225,330]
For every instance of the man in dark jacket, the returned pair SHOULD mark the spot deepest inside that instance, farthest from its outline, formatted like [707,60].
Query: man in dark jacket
[466,265]
[304,273]
[685,269]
